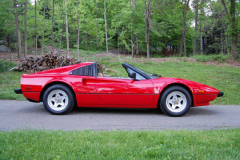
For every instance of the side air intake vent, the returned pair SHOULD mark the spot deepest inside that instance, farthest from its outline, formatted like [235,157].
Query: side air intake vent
[83,71]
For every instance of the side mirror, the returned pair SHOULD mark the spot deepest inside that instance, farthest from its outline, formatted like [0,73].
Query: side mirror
[133,76]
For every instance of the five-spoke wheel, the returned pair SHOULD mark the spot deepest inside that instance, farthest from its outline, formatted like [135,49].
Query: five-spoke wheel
[58,99]
[175,101]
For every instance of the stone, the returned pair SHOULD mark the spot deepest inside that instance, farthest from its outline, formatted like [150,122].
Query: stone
[4,49]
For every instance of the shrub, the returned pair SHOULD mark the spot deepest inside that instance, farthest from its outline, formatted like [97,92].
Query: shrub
[6,65]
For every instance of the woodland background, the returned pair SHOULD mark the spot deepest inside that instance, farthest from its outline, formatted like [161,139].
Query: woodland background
[134,27]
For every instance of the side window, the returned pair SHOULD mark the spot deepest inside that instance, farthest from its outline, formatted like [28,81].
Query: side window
[138,76]
[83,71]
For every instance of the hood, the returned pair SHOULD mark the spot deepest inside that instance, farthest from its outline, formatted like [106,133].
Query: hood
[195,87]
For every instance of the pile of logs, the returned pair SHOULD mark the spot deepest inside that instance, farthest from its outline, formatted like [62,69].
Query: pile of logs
[49,61]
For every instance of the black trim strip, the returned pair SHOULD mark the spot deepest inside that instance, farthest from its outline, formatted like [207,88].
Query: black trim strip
[204,94]
[18,91]
[220,94]
[31,91]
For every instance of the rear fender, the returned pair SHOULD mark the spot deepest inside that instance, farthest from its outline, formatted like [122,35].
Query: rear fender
[50,83]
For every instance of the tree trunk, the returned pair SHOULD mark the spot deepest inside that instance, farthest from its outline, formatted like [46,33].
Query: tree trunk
[185,48]
[9,40]
[52,24]
[78,29]
[86,39]
[60,45]
[18,30]
[118,40]
[44,10]
[25,33]
[67,28]
[137,46]
[147,12]
[183,39]
[202,28]
[35,27]
[183,34]
[132,45]
[201,43]
[234,29]
[97,18]
[222,37]
[105,18]
[196,22]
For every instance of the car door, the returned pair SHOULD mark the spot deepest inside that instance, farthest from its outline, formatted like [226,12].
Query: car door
[84,82]
[114,92]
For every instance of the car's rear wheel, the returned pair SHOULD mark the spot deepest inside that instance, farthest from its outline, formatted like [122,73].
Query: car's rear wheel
[58,99]
[175,101]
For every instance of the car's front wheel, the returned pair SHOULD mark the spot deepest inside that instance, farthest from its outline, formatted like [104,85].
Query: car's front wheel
[58,99]
[175,101]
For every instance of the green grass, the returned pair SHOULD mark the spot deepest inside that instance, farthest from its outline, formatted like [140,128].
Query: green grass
[215,144]
[8,82]
[214,57]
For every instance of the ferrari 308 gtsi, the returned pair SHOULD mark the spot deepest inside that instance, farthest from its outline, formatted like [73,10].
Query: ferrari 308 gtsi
[85,85]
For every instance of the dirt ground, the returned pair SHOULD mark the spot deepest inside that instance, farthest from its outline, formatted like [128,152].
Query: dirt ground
[13,57]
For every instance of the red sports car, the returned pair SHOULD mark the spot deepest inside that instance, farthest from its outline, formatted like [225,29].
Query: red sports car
[85,85]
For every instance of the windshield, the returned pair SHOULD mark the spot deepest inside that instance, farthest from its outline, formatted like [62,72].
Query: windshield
[152,75]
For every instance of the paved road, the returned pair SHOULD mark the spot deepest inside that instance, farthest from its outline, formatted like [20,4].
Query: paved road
[26,115]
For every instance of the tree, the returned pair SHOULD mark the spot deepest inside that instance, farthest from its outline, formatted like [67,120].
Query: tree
[196,22]
[232,19]
[147,15]
[234,49]
[67,28]
[36,39]
[17,28]
[52,24]
[183,37]
[25,32]
[105,18]
[78,29]
[44,11]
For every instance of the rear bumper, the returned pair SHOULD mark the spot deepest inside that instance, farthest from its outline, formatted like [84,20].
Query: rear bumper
[18,91]
[220,94]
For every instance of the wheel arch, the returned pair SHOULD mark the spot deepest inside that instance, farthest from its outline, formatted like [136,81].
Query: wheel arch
[53,83]
[175,84]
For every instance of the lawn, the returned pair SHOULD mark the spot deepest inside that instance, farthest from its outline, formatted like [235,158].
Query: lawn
[35,144]
[224,78]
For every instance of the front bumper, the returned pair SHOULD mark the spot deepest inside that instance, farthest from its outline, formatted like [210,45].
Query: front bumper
[18,91]
[220,94]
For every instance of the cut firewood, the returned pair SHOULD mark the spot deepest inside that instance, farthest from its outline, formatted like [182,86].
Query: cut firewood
[48,61]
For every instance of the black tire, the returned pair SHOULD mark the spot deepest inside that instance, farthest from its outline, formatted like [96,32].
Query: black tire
[175,101]
[58,99]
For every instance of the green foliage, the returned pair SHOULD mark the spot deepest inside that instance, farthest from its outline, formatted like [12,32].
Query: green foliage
[213,57]
[126,25]
[6,65]
[31,144]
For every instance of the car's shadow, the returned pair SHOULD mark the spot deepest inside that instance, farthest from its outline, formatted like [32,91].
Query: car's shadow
[194,111]
[200,111]
[81,110]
